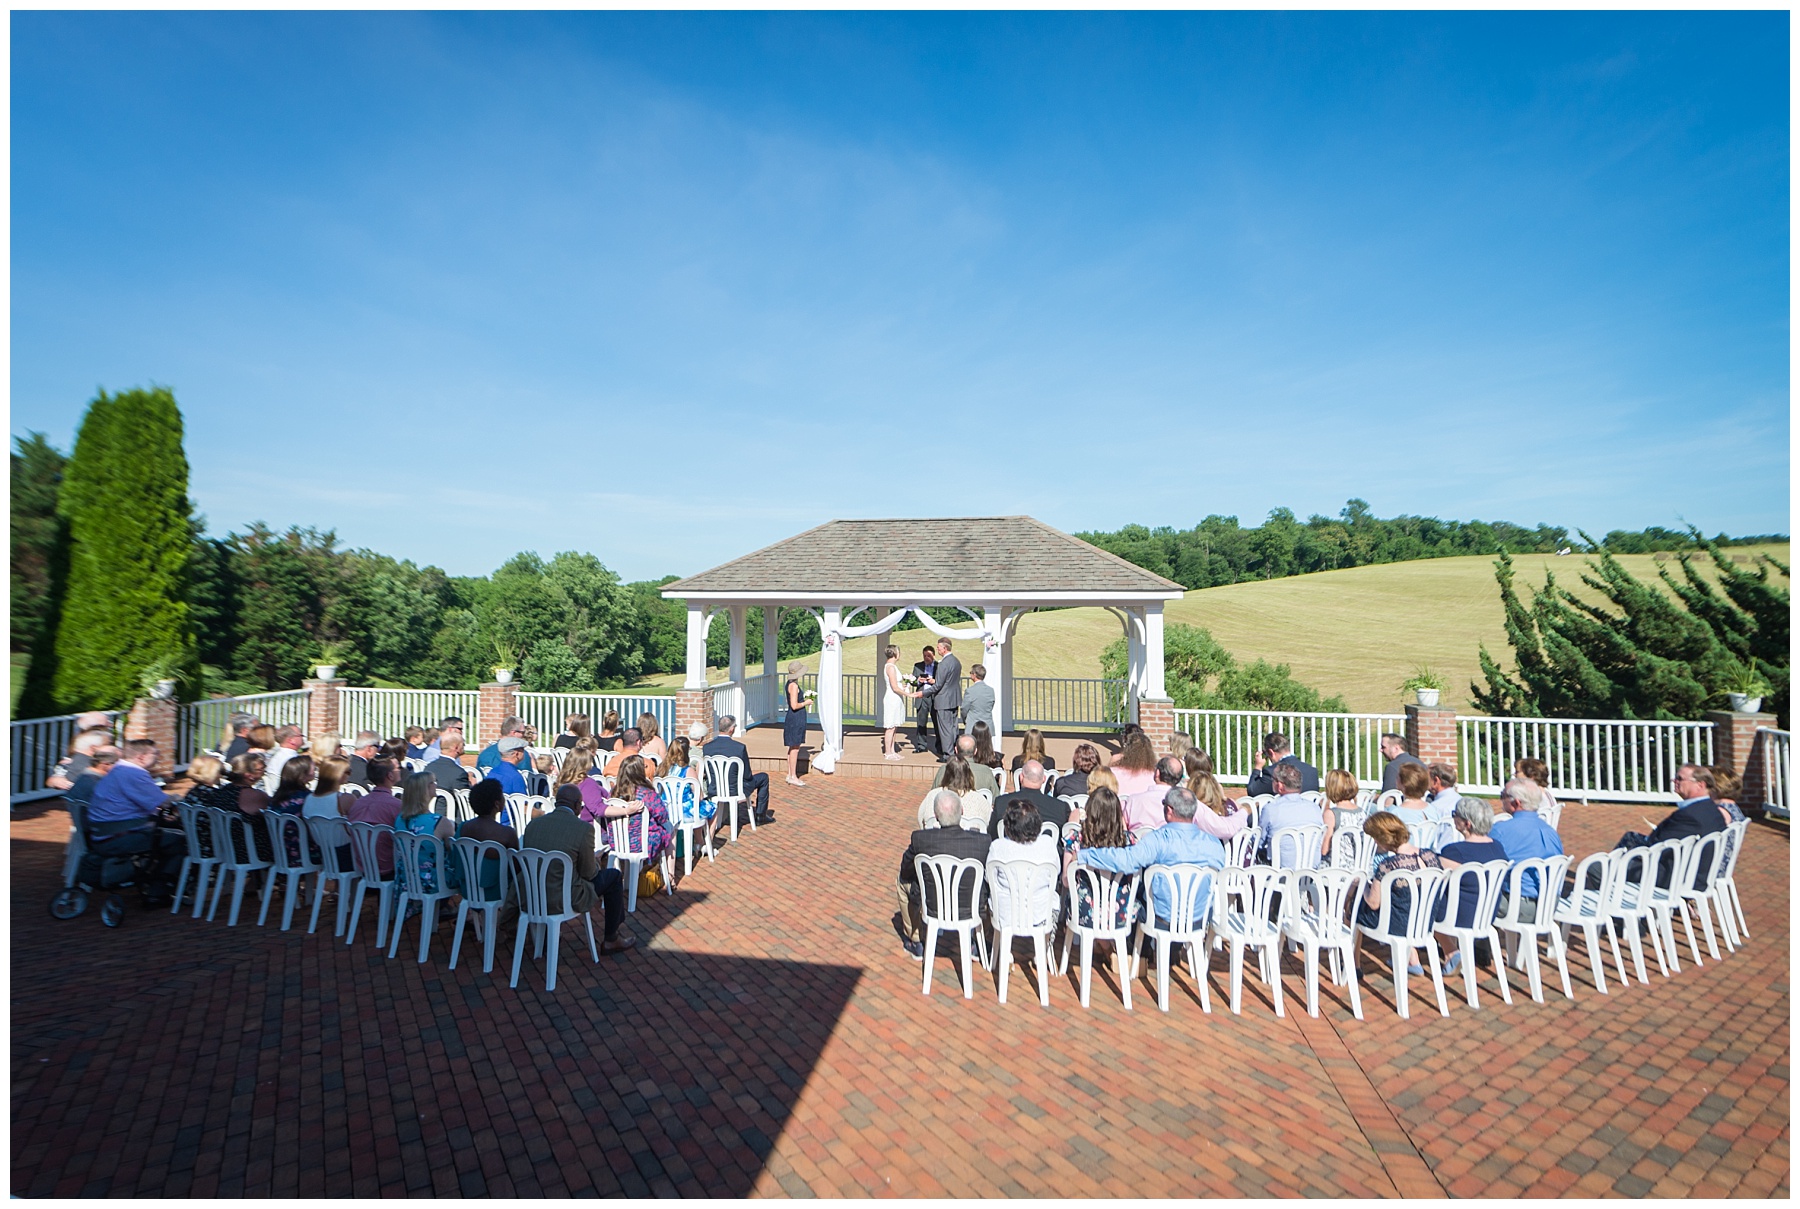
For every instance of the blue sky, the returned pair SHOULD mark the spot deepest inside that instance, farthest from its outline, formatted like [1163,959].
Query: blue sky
[670,287]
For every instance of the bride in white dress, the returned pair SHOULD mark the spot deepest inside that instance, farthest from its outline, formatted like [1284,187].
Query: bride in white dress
[894,696]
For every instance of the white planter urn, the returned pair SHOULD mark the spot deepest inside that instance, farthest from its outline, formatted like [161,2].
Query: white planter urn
[326,671]
[1745,704]
[164,690]
[502,675]
[1428,697]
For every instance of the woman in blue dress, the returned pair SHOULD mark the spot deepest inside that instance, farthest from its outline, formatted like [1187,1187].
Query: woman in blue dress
[793,727]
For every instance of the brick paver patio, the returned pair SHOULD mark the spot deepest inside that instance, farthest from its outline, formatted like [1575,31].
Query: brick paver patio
[772,1040]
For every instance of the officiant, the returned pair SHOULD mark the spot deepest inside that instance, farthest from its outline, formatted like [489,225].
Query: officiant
[924,674]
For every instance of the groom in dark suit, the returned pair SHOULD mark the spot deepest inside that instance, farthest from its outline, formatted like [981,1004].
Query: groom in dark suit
[945,696]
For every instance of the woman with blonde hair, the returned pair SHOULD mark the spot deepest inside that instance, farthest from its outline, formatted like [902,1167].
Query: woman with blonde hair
[1103,778]
[325,801]
[1340,794]
[1221,816]
[577,770]
[324,747]
[653,746]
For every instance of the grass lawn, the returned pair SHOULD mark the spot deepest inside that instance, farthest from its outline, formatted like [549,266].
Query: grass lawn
[1357,632]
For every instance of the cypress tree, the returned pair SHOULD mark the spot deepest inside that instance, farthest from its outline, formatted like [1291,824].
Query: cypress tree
[124,498]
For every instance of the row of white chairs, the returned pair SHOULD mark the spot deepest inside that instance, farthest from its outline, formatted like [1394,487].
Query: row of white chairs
[1318,914]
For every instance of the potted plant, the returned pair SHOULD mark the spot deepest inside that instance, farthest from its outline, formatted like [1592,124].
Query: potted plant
[507,658]
[1426,683]
[158,681]
[331,654]
[1745,688]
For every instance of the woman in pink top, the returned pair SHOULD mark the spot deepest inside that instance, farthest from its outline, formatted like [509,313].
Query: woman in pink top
[1135,766]
[1220,818]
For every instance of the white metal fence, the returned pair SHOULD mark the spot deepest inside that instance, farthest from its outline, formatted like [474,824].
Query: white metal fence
[1602,761]
[1773,752]
[389,711]
[37,744]
[1055,701]
[728,698]
[547,711]
[203,724]
[1232,738]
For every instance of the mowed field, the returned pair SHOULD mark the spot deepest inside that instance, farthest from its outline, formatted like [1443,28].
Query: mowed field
[1356,632]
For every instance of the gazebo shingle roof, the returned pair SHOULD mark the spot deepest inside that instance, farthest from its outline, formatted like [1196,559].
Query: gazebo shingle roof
[957,554]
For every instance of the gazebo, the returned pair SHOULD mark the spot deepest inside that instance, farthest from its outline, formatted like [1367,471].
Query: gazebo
[864,577]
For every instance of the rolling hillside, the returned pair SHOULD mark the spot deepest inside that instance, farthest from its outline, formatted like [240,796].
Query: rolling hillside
[1357,632]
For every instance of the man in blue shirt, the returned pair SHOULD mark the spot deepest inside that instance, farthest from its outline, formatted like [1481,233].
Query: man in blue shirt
[121,816]
[1178,842]
[490,755]
[1289,810]
[512,754]
[1526,836]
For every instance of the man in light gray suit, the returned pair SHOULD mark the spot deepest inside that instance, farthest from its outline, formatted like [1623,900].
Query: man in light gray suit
[945,696]
[978,702]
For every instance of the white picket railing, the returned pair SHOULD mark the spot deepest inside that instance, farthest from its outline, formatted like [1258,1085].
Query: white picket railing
[389,711]
[728,698]
[1232,738]
[203,725]
[1601,761]
[37,744]
[1773,752]
[547,711]
[762,700]
[1062,701]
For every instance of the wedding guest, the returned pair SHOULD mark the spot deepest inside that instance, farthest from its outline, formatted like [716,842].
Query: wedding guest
[1394,850]
[485,800]
[575,726]
[653,747]
[609,730]
[1196,762]
[1102,826]
[1414,782]
[983,742]
[1535,770]
[631,745]
[755,784]
[634,785]
[368,746]
[1034,748]
[325,801]
[1083,762]
[240,736]
[983,774]
[1219,817]
[577,770]
[1135,765]
[380,807]
[293,787]
[247,773]
[415,742]
[959,777]
[447,769]
[1340,795]
[323,747]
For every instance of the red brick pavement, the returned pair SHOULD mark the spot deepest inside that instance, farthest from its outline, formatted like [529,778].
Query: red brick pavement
[771,1040]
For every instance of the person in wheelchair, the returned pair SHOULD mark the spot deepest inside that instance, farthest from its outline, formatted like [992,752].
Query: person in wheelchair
[128,814]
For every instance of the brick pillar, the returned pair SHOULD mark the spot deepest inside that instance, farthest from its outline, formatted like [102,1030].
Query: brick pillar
[1157,716]
[323,714]
[1734,747]
[497,701]
[693,705]
[155,718]
[1431,734]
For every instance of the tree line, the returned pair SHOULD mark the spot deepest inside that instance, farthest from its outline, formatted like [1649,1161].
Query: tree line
[1218,551]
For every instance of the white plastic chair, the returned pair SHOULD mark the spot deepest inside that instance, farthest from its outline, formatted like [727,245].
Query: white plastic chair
[1724,884]
[365,853]
[1526,922]
[331,835]
[1551,812]
[540,908]
[1590,910]
[1240,849]
[1025,904]
[449,805]
[1634,904]
[202,857]
[1423,887]
[414,764]
[1425,835]
[1387,799]
[1320,907]
[471,855]
[682,796]
[1701,856]
[726,776]
[236,832]
[1076,801]
[1296,847]
[1189,889]
[1354,850]
[1106,889]
[411,853]
[941,881]
[1242,905]
[353,789]
[1253,807]
[1664,901]
[1490,877]
[629,842]
[521,808]
[281,826]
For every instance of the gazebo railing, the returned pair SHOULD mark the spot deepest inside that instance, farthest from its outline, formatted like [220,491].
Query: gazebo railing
[1062,701]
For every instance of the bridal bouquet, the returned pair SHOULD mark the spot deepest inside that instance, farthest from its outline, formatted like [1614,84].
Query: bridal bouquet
[908,681]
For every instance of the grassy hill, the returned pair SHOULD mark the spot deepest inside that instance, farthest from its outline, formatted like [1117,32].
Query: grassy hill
[1357,632]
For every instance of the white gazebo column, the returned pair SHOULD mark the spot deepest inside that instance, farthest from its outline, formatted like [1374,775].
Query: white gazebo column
[1004,689]
[881,646]
[694,702]
[1134,676]
[735,661]
[1156,712]
[768,703]
[831,691]
[994,659]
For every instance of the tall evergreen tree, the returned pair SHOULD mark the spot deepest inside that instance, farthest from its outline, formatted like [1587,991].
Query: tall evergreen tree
[40,564]
[124,497]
